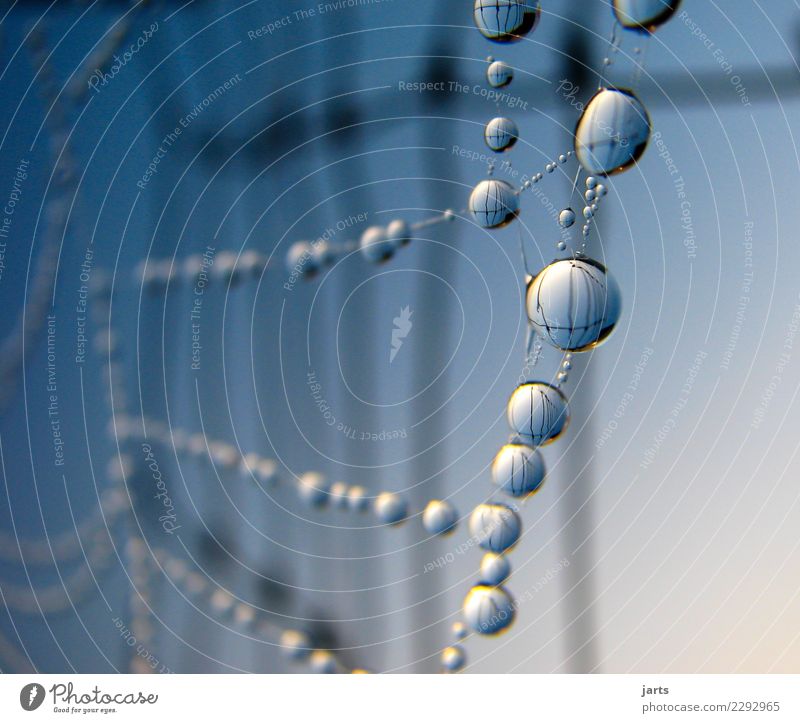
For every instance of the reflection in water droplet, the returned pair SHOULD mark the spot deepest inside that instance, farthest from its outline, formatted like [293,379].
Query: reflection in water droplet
[566,218]
[612,132]
[494,526]
[505,21]
[499,74]
[494,203]
[574,304]
[518,470]
[495,569]
[488,610]
[439,517]
[537,412]
[501,134]
[644,15]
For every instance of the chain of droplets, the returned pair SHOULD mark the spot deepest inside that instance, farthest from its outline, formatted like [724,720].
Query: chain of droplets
[114,499]
[573,319]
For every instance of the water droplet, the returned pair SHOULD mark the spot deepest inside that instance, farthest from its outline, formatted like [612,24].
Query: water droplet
[566,218]
[586,229]
[590,195]
[459,630]
[398,232]
[612,132]
[562,377]
[453,658]
[300,259]
[591,182]
[488,610]
[439,517]
[601,190]
[494,203]
[574,304]
[321,661]
[526,184]
[494,526]
[587,212]
[501,134]
[567,364]
[390,508]
[644,15]
[375,245]
[449,215]
[495,569]
[357,499]
[338,494]
[518,470]
[313,489]
[499,74]
[295,644]
[505,21]
[537,412]
[550,167]
[561,246]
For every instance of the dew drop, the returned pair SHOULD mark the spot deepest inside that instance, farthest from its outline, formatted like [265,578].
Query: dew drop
[505,21]
[375,245]
[398,232]
[574,304]
[537,412]
[518,470]
[499,74]
[561,246]
[495,569]
[313,489]
[644,15]
[501,134]
[439,517]
[488,610]
[453,658]
[590,195]
[495,527]
[494,203]
[566,218]
[390,508]
[612,132]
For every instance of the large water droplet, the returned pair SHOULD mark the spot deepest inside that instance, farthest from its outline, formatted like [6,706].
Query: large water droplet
[537,412]
[494,203]
[518,470]
[494,526]
[500,134]
[505,21]
[574,304]
[566,218]
[644,15]
[612,132]
[499,74]
[488,610]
